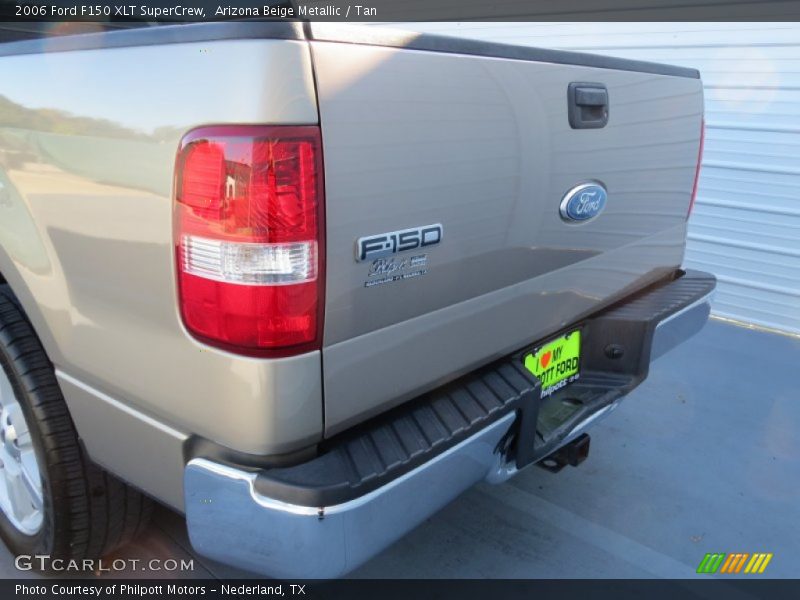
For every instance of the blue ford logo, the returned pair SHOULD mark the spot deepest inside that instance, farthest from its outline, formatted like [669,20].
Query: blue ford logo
[583,202]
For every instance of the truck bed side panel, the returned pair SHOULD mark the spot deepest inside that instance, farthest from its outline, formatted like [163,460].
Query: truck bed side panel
[87,153]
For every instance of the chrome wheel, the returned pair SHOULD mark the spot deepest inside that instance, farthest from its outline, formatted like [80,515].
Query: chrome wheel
[20,478]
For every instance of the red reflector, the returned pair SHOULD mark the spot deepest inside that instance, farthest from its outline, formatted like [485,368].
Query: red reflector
[248,234]
[699,164]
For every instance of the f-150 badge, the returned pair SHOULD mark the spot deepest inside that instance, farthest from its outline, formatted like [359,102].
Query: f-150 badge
[583,202]
[387,244]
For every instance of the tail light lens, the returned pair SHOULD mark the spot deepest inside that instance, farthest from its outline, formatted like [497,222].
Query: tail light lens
[249,237]
[699,163]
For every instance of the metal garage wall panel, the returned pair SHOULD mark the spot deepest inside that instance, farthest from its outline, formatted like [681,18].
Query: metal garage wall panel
[746,225]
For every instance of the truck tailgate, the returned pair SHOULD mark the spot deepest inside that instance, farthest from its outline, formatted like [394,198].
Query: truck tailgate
[476,138]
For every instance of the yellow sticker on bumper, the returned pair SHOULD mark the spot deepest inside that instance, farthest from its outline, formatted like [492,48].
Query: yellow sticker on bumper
[556,363]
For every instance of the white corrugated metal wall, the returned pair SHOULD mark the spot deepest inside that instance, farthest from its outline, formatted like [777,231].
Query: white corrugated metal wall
[746,225]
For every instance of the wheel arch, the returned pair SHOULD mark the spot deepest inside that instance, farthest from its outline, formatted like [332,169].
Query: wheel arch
[11,278]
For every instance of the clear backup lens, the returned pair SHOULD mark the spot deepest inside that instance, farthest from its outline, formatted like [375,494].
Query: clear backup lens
[250,263]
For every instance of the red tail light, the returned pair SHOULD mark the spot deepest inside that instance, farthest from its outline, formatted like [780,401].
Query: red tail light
[699,163]
[249,237]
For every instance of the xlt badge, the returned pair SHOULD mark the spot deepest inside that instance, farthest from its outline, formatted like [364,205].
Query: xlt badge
[386,244]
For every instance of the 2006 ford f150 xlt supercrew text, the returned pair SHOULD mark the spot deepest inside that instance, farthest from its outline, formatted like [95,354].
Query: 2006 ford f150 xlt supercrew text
[308,283]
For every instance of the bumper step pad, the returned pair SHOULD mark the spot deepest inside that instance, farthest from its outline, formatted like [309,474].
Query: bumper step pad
[371,455]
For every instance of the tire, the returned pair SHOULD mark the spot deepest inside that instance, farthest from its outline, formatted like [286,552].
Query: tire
[85,511]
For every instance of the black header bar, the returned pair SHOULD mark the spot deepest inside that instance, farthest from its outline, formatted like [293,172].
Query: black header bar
[154,11]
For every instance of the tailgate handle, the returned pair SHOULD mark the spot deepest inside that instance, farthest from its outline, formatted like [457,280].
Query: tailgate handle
[587,105]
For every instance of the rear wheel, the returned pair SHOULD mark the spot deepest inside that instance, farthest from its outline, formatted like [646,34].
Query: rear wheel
[20,479]
[53,499]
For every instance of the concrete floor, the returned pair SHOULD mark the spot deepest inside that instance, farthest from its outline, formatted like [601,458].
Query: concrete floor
[702,457]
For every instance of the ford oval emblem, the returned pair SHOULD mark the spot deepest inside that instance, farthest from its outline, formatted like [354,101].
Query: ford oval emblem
[584,202]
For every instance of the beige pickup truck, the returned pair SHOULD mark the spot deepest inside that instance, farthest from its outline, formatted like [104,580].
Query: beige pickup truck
[306,283]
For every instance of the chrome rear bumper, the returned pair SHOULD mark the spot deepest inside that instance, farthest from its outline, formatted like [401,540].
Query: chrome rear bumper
[680,326]
[230,520]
